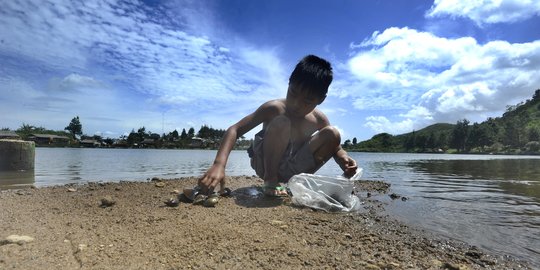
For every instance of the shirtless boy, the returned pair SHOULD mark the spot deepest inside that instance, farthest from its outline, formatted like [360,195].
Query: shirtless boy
[295,138]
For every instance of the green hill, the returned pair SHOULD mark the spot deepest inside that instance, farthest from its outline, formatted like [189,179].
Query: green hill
[517,131]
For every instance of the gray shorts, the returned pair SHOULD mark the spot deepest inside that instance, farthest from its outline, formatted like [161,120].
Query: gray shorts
[293,161]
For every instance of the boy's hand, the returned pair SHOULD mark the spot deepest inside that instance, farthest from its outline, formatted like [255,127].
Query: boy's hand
[214,176]
[348,165]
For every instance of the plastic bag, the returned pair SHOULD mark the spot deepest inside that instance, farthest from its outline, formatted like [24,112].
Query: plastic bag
[330,194]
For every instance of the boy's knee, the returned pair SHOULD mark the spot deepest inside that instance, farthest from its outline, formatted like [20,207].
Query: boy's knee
[331,134]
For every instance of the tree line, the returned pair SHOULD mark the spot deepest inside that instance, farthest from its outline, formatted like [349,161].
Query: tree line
[516,132]
[140,138]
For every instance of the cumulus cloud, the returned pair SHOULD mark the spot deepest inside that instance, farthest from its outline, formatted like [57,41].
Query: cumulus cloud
[381,124]
[487,11]
[438,79]
[153,55]
[74,82]
[418,112]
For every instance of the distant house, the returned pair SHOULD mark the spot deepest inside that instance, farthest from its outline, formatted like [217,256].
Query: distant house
[49,140]
[196,142]
[120,144]
[148,143]
[8,134]
[89,143]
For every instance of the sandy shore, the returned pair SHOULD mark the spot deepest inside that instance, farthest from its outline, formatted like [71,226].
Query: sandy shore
[68,229]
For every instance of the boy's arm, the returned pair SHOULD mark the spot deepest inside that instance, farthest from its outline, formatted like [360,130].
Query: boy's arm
[347,164]
[216,173]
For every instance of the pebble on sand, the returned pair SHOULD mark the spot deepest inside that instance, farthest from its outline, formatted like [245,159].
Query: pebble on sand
[107,201]
[160,184]
[18,239]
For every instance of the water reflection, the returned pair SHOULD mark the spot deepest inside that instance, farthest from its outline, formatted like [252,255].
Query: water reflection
[16,179]
[57,166]
[512,176]
[491,203]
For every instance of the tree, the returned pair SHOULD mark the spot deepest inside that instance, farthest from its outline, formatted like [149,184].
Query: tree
[74,127]
[175,134]
[132,138]
[460,134]
[108,141]
[478,136]
[534,134]
[184,135]
[536,95]
[493,130]
[191,133]
[421,142]
[354,141]
[442,141]
[511,134]
[431,142]
[410,141]
[141,133]
[204,132]
[386,139]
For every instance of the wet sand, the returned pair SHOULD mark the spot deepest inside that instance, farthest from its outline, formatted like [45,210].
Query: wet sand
[68,228]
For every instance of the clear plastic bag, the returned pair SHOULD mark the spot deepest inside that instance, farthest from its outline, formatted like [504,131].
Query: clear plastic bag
[330,194]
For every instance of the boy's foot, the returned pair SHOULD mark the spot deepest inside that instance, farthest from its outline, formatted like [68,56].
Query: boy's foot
[274,191]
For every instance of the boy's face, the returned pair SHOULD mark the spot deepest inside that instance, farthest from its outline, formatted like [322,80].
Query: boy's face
[300,102]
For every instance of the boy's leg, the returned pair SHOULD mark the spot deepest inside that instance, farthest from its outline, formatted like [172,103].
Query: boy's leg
[275,143]
[324,145]
[312,155]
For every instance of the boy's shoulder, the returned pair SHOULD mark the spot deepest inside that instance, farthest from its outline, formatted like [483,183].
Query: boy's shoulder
[276,105]
[275,102]
[319,115]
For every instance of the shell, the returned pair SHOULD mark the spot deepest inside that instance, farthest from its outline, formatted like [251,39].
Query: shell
[172,202]
[199,199]
[211,201]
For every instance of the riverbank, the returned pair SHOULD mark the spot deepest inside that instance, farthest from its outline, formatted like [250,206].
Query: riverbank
[69,228]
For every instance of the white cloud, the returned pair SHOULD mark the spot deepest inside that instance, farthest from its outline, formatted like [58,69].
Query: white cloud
[24,103]
[467,97]
[439,78]
[74,82]
[418,112]
[152,60]
[379,102]
[487,11]
[333,111]
[381,124]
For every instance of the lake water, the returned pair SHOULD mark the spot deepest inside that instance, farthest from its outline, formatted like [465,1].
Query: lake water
[489,201]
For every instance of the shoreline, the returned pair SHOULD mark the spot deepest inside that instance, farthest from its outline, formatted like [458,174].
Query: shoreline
[347,149]
[70,230]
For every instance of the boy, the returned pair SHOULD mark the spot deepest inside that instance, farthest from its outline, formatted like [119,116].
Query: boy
[295,138]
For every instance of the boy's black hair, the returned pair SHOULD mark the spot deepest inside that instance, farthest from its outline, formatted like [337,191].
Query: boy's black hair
[313,74]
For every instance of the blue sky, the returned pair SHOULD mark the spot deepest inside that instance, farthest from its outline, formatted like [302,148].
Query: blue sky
[165,65]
